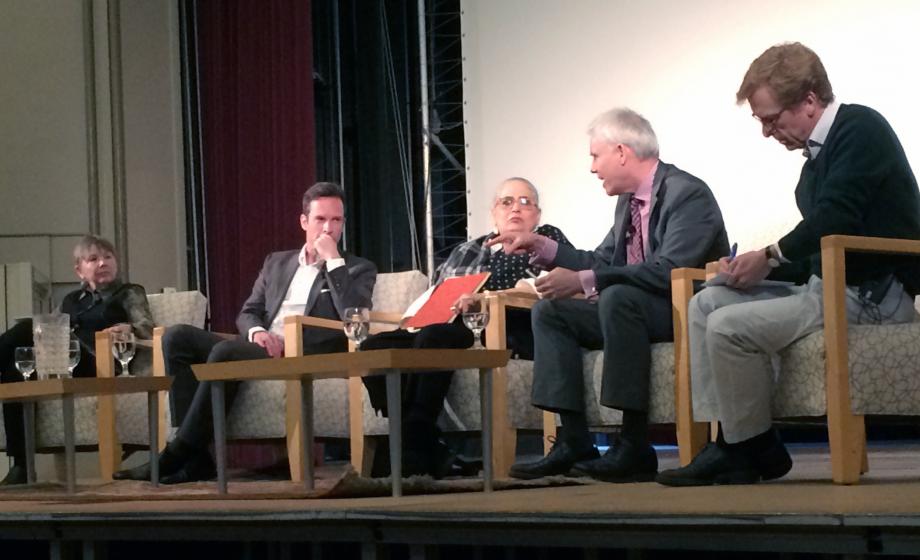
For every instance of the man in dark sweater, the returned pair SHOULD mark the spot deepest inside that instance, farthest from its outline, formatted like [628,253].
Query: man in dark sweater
[855,181]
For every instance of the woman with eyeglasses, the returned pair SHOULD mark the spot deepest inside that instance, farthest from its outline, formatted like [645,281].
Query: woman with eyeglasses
[515,208]
[102,302]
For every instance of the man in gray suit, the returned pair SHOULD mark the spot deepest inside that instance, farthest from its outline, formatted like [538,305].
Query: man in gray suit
[315,280]
[665,218]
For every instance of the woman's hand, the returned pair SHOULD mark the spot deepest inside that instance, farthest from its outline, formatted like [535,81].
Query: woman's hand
[463,303]
[119,328]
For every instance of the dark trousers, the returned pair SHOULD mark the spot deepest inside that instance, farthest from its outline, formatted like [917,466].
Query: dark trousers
[20,334]
[624,322]
[184,345]
[423,393]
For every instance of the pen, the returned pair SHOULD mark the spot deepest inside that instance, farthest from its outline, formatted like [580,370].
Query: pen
[734,252]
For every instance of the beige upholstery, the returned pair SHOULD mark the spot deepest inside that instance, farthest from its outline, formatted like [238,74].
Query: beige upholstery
[846,371]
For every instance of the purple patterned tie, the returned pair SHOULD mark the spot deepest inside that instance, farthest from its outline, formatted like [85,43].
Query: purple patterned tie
[635,248]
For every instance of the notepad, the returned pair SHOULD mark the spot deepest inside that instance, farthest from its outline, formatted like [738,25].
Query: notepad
[437,309]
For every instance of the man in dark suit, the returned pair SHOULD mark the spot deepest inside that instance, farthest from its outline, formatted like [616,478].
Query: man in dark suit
[665,218]
[315,280]
[855,181]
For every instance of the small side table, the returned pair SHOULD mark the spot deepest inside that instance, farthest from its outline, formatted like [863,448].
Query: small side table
[344,365]
[30,392]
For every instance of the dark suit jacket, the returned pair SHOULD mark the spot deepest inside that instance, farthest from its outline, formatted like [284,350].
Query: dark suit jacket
[686,230]
[860,184]
[347,286]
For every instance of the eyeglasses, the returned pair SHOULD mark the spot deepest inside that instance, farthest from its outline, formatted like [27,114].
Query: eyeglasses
[769,121]
[508,202]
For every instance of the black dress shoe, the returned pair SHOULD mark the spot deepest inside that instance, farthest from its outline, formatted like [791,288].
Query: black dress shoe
[714,465]
[141,472]
[16,475]
[623,462]
[773,462]
[559,460]
[200,467]
[436,462]
[169,460]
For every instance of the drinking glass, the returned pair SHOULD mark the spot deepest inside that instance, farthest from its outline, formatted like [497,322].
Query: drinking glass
[24,357]
[123,347]
[357,322]
[476,318]
[73,354]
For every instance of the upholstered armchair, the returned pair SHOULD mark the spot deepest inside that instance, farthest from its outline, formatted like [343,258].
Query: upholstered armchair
[512,410]
[846,371]
[108,422]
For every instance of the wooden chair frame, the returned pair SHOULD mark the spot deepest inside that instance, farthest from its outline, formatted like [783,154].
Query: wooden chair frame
[692,435]
[110,451]
[846,430]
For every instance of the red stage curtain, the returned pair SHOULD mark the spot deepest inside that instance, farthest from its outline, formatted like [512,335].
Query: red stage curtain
[258,139]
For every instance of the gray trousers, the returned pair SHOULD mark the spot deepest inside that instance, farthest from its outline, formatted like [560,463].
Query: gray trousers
[624,322]
[735,336]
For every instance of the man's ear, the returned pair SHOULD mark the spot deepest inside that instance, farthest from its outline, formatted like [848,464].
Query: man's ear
[304,219]
[811,103]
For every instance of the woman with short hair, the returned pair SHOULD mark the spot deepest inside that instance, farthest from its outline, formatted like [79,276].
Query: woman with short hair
[102,303]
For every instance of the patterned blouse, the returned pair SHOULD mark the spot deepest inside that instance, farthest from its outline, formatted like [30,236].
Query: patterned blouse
[471,258]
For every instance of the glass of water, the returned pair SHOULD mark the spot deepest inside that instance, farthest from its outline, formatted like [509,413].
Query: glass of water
[73,354]
[24,357]
[476,318]
[123,347]
[357,322]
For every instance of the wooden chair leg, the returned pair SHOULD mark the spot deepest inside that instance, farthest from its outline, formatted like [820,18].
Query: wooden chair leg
[846,431]
[370,451]
[549,430]
[292,414]
[504,446]
[865,458]
[109,447]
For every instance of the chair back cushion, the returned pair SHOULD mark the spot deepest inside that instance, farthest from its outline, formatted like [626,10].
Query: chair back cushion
[176,308]
[394,291]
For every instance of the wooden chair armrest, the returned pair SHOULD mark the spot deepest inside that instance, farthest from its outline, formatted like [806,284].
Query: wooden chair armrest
[388,317]
[514,297]
[683,274]
[870,244]
[307,321]
[712,268]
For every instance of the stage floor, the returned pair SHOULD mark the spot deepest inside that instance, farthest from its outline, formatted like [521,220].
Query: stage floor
[804,512]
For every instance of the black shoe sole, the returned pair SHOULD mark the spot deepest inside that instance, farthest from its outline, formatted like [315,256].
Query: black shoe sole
[778,471]
[635,477]
[729,478]
[533,476]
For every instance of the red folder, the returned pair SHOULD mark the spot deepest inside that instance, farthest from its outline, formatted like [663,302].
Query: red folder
[437,309]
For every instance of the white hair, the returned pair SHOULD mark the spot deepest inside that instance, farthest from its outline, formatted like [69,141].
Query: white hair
[625,126]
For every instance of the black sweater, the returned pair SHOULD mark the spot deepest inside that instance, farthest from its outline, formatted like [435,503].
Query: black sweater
[860,184]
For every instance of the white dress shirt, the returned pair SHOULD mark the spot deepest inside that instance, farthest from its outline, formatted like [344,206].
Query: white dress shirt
[295,300]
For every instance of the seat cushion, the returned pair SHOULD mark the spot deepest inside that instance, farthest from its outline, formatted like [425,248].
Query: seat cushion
[884,373]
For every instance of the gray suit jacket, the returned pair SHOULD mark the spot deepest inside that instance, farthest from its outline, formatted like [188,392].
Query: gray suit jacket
[686,230]
[347,286]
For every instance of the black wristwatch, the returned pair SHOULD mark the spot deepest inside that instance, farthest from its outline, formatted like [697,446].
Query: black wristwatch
[772,258]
